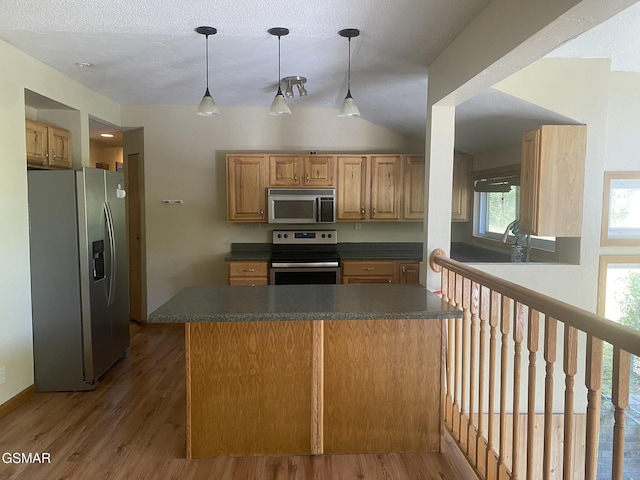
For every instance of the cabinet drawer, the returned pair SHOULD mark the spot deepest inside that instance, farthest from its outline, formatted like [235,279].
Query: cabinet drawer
[248,281]
[374,268]
[248,269]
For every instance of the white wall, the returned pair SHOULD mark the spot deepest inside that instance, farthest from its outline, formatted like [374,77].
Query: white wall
[16,353]
[185,157]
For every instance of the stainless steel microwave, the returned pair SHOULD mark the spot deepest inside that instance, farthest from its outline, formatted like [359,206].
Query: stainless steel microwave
[301,205]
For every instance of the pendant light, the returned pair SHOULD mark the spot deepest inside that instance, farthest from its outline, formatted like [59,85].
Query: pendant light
[279,105]
[207,106]
[349,107]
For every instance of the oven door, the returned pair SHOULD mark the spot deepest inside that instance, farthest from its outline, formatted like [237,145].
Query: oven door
[304,275]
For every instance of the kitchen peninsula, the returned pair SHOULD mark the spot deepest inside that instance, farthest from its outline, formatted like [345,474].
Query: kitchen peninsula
[311,369]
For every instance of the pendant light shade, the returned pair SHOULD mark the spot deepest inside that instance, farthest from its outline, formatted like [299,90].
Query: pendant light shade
[349,107]
[207,106]
[279,105]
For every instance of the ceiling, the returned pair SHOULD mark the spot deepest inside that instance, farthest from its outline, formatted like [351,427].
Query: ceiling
[148,53]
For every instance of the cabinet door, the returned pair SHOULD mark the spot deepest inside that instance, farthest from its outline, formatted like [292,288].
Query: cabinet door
[59,148]
[319,171]
[529,181]
[461,193]
[409,272]
[246,188]
[36,134]
[386,187]
[413,194]
[285,170]
[352,191]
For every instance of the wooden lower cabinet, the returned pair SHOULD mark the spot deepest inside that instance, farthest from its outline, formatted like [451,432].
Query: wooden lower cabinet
[408,272]
[313,387]
[247,273]
[380,271]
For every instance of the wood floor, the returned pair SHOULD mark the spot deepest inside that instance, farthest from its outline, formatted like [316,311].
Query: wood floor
[133,426]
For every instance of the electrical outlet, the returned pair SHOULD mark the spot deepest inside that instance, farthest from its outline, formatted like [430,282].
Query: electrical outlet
[357,226]
[2,377]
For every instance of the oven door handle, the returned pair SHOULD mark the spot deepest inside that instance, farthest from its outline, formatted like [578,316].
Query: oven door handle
[317,209]
[305,264]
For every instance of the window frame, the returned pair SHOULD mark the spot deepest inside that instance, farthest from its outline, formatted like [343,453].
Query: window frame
[605,261]
[605,240]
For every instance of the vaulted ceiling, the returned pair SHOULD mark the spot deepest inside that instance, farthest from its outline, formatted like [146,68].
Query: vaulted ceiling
[148,52]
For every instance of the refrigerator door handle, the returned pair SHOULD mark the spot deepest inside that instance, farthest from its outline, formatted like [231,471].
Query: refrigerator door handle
[112,248]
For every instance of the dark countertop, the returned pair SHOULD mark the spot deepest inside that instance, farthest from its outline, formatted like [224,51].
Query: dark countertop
[247,252]
[464,252]
[302,302]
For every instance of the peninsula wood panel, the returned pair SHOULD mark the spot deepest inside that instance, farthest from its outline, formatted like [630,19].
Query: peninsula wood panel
[248,388]
[384,395]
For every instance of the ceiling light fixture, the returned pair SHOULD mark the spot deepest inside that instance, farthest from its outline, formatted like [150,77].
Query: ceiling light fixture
[107,135]
[207,106]
[288,82]
[279,105]
[349,107]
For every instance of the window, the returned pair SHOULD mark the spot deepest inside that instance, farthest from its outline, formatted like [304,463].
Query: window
[497,204]
[619,289]
[621,217]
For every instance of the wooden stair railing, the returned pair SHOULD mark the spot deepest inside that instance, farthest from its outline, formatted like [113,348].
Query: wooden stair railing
[484,379]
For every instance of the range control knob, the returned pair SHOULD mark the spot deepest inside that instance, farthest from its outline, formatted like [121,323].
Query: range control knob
[330,235]
[323,235]
[279,235]
[286,235]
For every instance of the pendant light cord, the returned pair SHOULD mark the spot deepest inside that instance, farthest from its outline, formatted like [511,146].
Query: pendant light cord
[279,74]
[349,70]
[207,52]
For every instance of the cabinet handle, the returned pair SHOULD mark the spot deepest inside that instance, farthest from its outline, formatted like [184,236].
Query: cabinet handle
[262,213]
[403,270]
[249,270]
[389,281]
[295,178]
[306,179]
[370,269]
[374,212]
[362,212]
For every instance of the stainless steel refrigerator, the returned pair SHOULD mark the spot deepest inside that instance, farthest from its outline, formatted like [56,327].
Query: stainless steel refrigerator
[79,276]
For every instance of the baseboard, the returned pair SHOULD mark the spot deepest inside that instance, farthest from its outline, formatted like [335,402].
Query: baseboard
[13,402]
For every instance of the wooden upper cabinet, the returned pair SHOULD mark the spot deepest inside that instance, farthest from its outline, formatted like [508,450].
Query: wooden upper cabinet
[59,148]
[37,140]
[552,180]
[319,170]
[285,170]
[353,191]
[302,171]
[386,187]
[461,192]
[246,188]
[413,191]
[47,146]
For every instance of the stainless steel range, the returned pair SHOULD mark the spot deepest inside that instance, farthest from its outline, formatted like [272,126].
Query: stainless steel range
[302,257]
